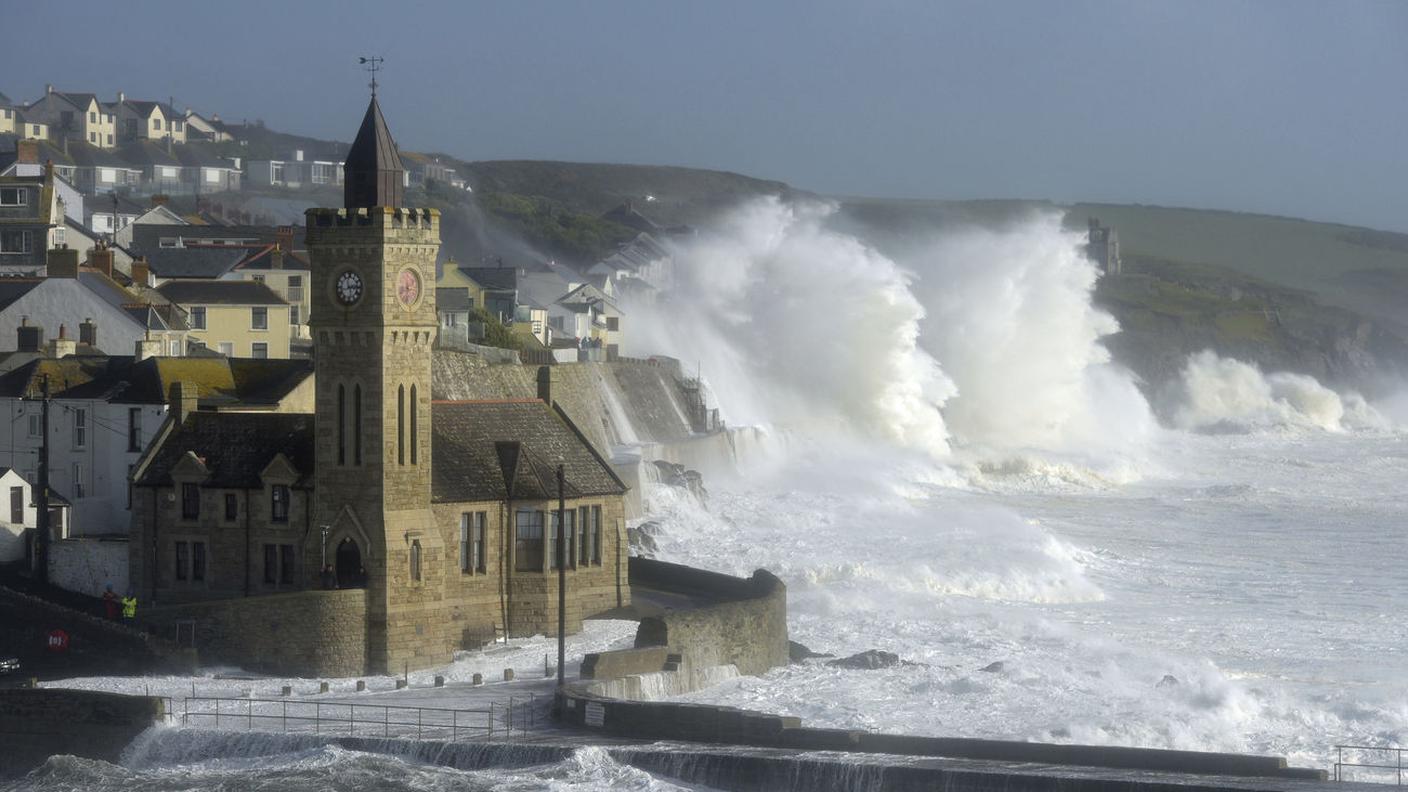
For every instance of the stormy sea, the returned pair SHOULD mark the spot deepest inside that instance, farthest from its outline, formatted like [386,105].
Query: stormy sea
[933,448]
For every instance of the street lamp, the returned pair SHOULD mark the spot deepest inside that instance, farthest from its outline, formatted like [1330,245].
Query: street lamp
[323,529]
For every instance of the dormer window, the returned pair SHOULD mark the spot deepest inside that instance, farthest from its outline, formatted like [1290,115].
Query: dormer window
[278,503]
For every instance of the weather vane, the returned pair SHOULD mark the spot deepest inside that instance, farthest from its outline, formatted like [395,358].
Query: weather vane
[373,65]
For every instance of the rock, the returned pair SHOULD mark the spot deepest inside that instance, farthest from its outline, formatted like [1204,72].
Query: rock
[994,667]
[641,539]
[797,652]
[868,660]
[1169,680]
[675,475]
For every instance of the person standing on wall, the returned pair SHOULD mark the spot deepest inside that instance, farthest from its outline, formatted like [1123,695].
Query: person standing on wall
[129,607]
[109,604]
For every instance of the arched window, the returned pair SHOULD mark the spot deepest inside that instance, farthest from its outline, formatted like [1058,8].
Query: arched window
[415,436]
[357,424]
[341,425]
[415,560]
[401,424]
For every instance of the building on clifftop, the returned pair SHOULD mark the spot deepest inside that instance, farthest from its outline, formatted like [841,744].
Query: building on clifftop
[436,517]
[1102,246]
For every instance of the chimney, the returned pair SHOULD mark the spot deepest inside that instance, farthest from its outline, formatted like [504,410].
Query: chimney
[160,200]
[48,88]
[27,152]
[283,237]
[62,263]
[88,332]
[63,346]
[147,347]
[48,171]
[100,259]
[121,97]
[183,401]
[545,384]
[140,272]
[30,337]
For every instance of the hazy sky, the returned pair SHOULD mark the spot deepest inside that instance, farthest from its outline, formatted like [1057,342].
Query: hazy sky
[1296,108]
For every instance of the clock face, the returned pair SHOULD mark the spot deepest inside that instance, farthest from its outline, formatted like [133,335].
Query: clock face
[349,288]
[408,287]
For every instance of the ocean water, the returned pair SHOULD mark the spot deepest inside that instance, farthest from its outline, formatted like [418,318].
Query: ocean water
[936,453]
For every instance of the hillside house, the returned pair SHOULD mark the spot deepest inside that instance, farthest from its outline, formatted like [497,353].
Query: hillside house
[139,120]
[77,117]
[234,317]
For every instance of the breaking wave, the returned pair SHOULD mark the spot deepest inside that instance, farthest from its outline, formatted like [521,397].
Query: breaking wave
[1214,393]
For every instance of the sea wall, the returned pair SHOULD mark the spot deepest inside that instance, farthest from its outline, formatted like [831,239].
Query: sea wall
[729,626]
[312,633]
[89,565]
[38,723]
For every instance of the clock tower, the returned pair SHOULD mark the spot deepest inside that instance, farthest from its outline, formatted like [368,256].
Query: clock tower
[373,321]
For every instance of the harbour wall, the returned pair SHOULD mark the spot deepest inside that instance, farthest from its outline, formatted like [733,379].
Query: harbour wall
[36,723]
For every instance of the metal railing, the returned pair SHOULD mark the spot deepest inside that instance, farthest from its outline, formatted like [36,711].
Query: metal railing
[1390,754]
[504,720]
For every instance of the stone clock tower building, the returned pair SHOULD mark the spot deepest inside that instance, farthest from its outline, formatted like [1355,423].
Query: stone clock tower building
[373,319]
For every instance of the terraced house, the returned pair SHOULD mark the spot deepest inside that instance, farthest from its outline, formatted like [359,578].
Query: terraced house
[438,518]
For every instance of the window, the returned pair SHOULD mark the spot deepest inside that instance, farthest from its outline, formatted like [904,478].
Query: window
[401,424]
[232,507]
[78,480]
[130,468]
[17,505]
[109,140]
[259,350]
[227,348]
[596,535]
[183,560]
[613,323]
[35,425]
[584,519]
[259,318]
[190,561]
[356,424]
[569,536]
[92,117]
[286,563]
[13,196]
[295,288]
[271,564]
[197,317]
[156,123]
[278,503]
[190,501]
[60,236]
[197,561]
[92,137]
[415,410]
[415,560]
[174,349]
[472,542]
[212,175]
[341,425]
[293,315]
[528,545]
[16,242]
[80,428]
[134,428]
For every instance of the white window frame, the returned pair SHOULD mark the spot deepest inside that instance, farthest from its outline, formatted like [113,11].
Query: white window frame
[80,427]
[21,196]
[254,314]
[254,350]
[198,323]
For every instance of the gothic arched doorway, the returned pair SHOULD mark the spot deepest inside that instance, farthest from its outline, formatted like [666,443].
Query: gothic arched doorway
[349,565]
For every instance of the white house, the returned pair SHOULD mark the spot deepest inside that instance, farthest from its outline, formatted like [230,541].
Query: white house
[17,515]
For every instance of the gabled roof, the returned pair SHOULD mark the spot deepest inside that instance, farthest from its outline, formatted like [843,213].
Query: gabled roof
[82,101]
[219,381]
[372,170]
[511,448]
[220,292]
[497,278]
[147,108]
[452,298]
[147,152]
[198,156]
[12,289]
[202,261]
[235,448]
[626,215]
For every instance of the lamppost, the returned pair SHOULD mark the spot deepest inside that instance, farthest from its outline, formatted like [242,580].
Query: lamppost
[323,529]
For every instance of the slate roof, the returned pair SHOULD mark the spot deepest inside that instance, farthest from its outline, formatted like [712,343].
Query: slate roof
[204,261]
[86,155]
[219,381]
[235,447]
[453,298]
[146,152]
[146,108]
[372,170]
[12,289]
[220,292]
[503,449]
[496,278]
[626,215]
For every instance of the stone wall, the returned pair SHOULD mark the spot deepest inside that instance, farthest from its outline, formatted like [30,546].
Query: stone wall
[38,723]
[745,628]
[96,645]
[89,565]
[312,633]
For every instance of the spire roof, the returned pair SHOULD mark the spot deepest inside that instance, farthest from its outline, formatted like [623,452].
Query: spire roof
[373,174]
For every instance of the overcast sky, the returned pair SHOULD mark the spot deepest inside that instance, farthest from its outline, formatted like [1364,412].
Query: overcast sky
[1297,108]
